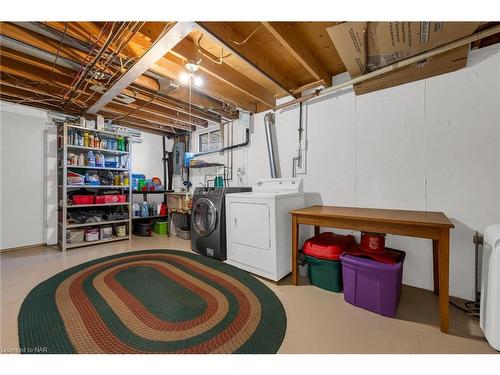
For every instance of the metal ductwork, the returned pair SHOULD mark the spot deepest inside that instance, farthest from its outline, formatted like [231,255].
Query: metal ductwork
[6,42]
[272,150]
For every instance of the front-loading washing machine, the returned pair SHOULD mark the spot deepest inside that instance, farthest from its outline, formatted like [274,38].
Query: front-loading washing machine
[208,223]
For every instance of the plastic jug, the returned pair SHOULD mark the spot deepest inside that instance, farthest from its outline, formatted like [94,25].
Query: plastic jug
[136,209]
[145,209]
[90,159]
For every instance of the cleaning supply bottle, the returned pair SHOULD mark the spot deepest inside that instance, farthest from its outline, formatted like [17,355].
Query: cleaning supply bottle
[90,159]
[99,160]
[136,209]
[81,160]
[85,139]
[145,209]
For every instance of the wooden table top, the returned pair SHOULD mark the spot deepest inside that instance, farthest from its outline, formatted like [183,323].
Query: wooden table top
[426,218]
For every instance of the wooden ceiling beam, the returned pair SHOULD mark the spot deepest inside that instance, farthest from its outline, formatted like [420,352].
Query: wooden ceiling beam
[199,101]
[289,39]
[116,114]
[222,34]
[147,128]
[189,51]
[159,48]
[144,112]
[170,66]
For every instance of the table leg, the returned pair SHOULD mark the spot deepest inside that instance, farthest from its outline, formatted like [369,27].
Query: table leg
[295,245]
[316,230]
[444,269]
[435,265]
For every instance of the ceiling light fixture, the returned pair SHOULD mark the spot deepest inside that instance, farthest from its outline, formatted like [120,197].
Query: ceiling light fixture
[186,77]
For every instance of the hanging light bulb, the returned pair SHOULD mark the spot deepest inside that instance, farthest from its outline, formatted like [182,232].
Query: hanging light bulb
[198,81]
[184,77]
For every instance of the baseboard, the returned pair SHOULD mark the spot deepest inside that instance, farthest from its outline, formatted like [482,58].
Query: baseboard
[6,250]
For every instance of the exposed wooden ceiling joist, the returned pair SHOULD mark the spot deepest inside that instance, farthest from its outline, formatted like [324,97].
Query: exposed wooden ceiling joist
[189,51]
[223,33]
[296,46]
[164,44]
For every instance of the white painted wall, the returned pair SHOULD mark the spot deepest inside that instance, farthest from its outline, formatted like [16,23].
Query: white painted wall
[147,159]
[428,145]
[23,194]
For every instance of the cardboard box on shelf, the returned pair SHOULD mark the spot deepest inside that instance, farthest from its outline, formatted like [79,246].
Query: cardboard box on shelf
[368,46]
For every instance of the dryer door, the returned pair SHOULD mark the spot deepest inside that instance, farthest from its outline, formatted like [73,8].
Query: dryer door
[204,216]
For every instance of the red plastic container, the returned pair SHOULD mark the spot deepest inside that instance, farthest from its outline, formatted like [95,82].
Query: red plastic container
[387,256]
[83,199]
[111,198]
[328,245]
[372,241]
[372,285]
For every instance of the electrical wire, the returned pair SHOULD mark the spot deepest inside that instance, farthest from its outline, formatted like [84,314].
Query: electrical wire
[247,38]
[203,52]
[58,51]
[75,85]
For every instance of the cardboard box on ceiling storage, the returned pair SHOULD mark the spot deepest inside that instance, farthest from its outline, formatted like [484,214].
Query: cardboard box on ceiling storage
[368,46]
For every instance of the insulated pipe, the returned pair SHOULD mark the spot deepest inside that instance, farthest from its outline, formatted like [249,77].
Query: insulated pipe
[397,65]
[271,150]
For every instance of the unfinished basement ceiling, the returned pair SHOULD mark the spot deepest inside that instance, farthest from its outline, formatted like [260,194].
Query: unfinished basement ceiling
[69,66]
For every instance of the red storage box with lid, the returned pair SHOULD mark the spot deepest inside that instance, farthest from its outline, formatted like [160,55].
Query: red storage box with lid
[110,198]
[328,245]
[82,199]
[322,255]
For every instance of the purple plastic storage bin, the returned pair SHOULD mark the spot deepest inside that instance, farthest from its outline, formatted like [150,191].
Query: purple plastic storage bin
[372,285]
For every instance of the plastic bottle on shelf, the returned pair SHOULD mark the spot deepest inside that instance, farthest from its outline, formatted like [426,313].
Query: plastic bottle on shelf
[126,179]
[91,141]
[85,139]
[117,179]
[99,160]
[97,142]
[90,159]
[136,209]
[145,209]
[81,160]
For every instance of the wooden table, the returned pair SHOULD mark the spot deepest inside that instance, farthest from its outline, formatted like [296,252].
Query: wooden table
[424,224]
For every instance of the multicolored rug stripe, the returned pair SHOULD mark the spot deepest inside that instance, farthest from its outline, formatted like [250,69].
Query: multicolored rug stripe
[152,301]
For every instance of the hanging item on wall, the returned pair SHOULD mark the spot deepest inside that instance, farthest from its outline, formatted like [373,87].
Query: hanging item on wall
[178,152]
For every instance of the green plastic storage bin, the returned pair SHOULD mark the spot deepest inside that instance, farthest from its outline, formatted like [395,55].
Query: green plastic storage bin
[160,227]
[325,274]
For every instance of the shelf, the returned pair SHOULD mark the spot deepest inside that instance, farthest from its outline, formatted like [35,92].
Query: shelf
[150,217]
[72,245]
[99,186]
[206,165]
[96,168]
[98,205]
[70,226]
[105,132]
[101,150]
[152,192]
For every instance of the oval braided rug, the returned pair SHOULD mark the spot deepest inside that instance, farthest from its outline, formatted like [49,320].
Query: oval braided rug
[152,301]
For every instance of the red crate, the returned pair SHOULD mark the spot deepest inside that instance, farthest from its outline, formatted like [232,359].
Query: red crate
[111,198]
[83,199]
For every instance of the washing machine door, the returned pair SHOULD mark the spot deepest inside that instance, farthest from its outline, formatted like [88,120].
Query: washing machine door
[204,216]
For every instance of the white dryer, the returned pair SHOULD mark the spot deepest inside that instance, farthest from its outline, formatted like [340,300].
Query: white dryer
[258,227]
